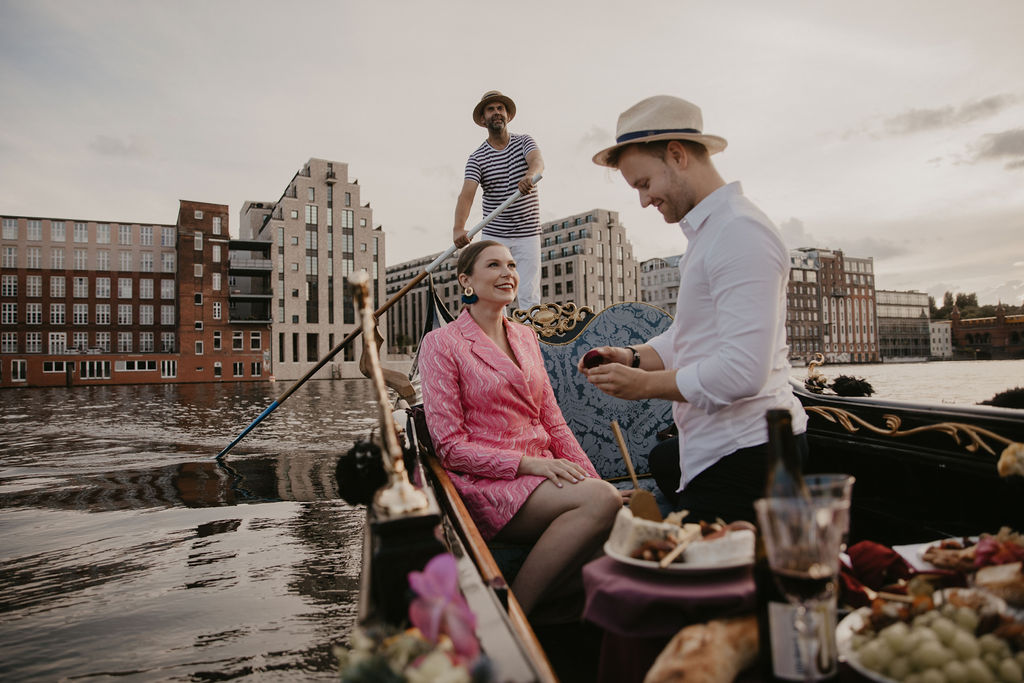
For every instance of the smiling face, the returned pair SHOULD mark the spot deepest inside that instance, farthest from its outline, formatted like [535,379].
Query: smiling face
[493,276]
[661,183]
[495,116]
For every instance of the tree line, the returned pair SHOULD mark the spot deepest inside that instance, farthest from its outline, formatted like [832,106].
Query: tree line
[967,303]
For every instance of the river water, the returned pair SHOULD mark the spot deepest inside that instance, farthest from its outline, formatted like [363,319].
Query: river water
[128,553]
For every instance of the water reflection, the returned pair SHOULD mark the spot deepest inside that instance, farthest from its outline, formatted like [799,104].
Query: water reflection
[126,550]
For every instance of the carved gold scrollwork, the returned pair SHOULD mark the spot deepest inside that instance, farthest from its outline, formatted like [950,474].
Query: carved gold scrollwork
[550,320]
[976,436]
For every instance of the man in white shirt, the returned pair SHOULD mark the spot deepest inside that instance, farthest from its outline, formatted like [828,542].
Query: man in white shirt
[724,361]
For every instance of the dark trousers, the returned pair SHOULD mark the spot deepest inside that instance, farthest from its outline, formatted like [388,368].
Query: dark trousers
[727,489]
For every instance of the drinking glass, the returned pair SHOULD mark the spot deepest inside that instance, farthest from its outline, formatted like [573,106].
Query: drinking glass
[834,486]
[801,540]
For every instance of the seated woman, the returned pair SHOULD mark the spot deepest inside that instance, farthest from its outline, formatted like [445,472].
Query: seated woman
[500,434]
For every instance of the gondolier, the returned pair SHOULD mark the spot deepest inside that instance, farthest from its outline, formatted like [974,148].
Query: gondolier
[502,164]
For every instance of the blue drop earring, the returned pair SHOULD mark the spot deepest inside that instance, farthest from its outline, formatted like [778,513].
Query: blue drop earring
[469,296]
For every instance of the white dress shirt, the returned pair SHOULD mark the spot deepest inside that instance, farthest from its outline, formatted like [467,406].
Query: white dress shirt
[728,340]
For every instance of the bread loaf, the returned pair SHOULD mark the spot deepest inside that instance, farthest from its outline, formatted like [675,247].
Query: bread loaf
[715,652]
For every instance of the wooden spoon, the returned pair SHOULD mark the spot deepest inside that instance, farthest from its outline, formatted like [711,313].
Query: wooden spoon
[641,503]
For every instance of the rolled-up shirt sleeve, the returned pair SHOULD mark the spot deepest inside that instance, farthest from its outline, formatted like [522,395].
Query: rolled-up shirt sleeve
[746,274]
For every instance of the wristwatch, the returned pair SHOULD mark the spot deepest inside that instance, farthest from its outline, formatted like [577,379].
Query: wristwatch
[636,357]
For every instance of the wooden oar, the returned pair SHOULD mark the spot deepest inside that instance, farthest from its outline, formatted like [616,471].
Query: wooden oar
[376,314]
[641,503]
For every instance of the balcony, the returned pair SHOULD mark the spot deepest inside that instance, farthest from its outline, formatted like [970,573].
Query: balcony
[331,177]
[243,262]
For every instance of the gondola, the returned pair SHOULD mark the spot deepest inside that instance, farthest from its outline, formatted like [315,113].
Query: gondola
[923,472]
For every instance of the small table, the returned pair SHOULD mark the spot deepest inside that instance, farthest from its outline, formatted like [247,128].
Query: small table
[641,610]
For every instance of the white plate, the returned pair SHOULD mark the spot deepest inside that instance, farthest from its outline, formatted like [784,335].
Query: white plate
[850,624]
[677,567]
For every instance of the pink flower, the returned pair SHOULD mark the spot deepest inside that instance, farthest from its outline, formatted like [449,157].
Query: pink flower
[440,607]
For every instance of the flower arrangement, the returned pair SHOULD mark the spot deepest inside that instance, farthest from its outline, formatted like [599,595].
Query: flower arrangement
[440,645]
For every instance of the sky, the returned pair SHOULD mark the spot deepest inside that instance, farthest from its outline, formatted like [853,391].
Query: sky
[891,129]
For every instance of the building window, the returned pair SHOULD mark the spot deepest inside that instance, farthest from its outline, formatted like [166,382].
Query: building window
[167,262]
[80,314]
[57,231]
[216,369]
[81,259]
[199,325]
[57,314]
[124,288]
[216,310]
[198,215]
[215,281]
[102,314]
[216,253]
[198,241]
[237,340]
[255,341]
[146,314]
[197,270]
[167,342]
[145,288]
[167,315]
[199,348]
[10,258]
[9,314]
[124,342]
[216,225]
[103,288]
[238,369]
[124,235]
[57,258]
[199,299]
[124,261]
[216,340]
[124,314]
[10,228]
[10,285]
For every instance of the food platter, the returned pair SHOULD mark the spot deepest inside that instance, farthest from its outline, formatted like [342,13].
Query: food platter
[855,621]
[678,567]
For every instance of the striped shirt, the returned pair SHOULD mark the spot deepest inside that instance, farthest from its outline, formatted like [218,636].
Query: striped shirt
[499,173]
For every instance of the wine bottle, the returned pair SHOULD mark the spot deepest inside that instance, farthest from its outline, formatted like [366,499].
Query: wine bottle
[784,478]
[780,643]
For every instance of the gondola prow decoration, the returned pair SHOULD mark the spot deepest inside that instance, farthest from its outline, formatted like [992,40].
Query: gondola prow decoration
[399,497]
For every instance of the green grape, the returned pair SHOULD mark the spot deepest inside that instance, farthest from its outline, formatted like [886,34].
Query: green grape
[897,637]
[956,672]
[1010,671]
[993,643]
[930,655]
[967,619]
[899,668]
[978,671]
[945,629]
[965,646]
[933,676]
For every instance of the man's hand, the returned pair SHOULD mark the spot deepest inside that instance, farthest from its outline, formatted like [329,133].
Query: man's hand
[609,354]
[460,236]
[620,381]
[554,469]
[526,185]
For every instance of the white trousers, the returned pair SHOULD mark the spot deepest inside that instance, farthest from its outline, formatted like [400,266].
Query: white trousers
[526,252]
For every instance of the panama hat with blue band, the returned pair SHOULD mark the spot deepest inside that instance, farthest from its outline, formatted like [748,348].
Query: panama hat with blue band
[661,117]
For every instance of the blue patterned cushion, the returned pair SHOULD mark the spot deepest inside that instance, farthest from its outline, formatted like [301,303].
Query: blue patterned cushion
[589,411]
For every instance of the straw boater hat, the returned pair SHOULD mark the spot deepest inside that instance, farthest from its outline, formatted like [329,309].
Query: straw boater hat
[487,98]
[661,117]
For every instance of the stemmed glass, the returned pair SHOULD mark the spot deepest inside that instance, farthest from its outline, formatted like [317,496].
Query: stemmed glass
[802,540]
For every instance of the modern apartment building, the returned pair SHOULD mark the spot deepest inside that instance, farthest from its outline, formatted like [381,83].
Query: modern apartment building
[321,231]
[91,302]
[903,331]
[659,282]
[585,259]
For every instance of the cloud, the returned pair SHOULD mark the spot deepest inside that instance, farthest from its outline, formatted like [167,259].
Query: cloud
[794,234]
[109,146]
[994,146]
[917,120]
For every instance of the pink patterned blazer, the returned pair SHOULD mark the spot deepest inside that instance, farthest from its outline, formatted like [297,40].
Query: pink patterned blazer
[485,413]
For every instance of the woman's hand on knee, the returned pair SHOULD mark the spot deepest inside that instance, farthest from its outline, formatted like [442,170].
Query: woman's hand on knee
[555,469]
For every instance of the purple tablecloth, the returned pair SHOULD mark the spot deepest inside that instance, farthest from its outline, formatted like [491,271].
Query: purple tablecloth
[636,602]
[640,610]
